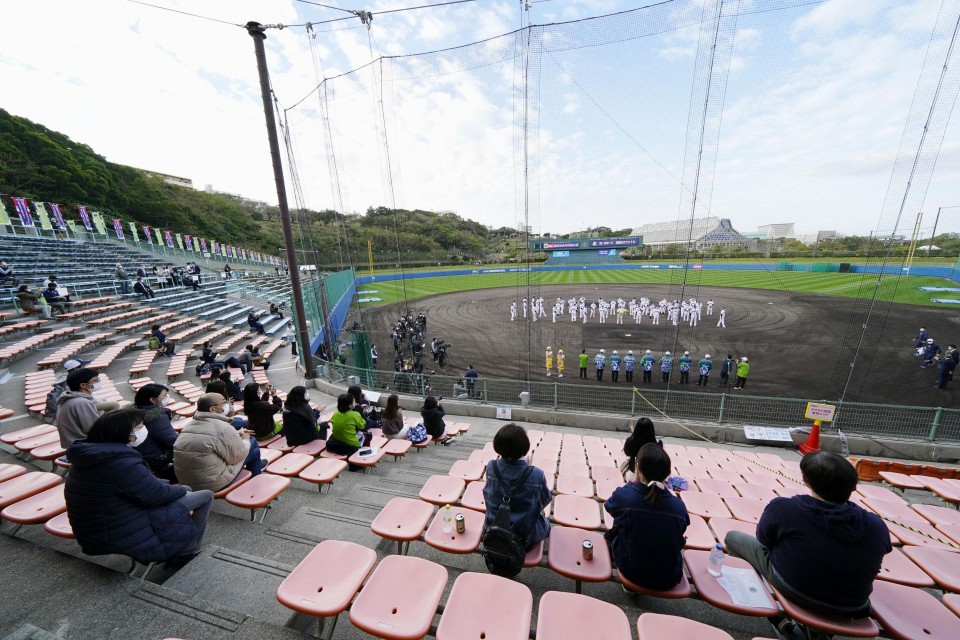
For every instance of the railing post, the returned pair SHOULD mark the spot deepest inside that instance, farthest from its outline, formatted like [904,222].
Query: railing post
[484,391]
[723,401]
[633,403]
[936,423]
[556,391]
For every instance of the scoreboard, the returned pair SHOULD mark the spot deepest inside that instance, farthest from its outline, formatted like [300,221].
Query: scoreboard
[585,244]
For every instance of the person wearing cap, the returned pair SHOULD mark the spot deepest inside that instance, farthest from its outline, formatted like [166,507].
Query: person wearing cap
[55,300]
[31,302]
[930,352]
[705,365]
[561,363]
[629,363]
[646,363]
[120,275]
[727,367]
[920,340]
[685,362]
[743,369]
[666,366]
[615,366]
[583,359]
[548,360]
[600,361]
[722,322]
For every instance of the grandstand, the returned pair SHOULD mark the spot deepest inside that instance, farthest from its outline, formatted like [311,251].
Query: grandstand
[281,556]
[701,234]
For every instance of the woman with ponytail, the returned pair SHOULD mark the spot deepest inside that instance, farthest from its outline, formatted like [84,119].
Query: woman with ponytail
[648,524]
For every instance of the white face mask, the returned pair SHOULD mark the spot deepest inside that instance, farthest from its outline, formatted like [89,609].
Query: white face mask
[96,386]
[166,401]
[140,436]
[227,408]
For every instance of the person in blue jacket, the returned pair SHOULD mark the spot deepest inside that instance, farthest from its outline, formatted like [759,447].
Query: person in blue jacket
[705,366]
[921,338]
[629,364]
[116,505]
[600,361]
[646,363]
[666,366]
[157,448]
[685,362]
[930,351]
[615,366]
[648,525]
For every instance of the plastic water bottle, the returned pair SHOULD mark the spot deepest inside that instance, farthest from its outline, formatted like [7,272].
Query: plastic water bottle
[715,568]
[447,519]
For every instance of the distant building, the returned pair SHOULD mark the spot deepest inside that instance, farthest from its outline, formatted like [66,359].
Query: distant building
[783,230]
[169,179]
[701,234]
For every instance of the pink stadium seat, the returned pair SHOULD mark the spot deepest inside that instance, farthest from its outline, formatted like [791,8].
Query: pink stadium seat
[9,471]
[483,456]
[603,462]
[575,511]
[280,444]
[574,469]
[900,480]
[720,488]
[710,590]
[462,618]
[325,582]
[290,464]
[605,488]
[400,598]
[323,472]
[790,490]
[402,520]
[569,616]
[60,526]
[950,532]
[725,474]
[698,534]
[898,568]
[897,511]
[368,461]
[25,486]
[37,441]
[755,491]
[833,624]
[722,526]
[313,448]
[924,536]
[937,515]
[942,566]
[745,509]
[270,455]
[330,455]
[397,448]
[30,432]
[762,478]
[473,497]
[534,557]
[705,505]
[469,471]
[575,486]
[678,592]
[566,555]
[952,601]
[876,492]
[242,477]
[453,542]
[607,473]
[258,493]
[37,508]
[441,490]
[907,613]
[657,626]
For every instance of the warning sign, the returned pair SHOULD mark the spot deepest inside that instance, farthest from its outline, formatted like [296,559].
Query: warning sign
[822,412]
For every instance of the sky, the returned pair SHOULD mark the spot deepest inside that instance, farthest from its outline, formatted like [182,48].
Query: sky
[585,121]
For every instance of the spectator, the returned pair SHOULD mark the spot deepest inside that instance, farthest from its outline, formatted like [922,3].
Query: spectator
[374,356]
[362,406]
[142,288]
[157,448]
[216,385]
[177,274]
[31,302]
[209,452]
[116,505]
[648,525]
[227,272]
[432,414]
[120,275]
[234,392]
[209,356]
[300,419]
[76,407]
[195,274]
[347,430]
[275,311]
[392,419]
[159,341]
[530,490]
[255,325]
[260,409]
[141,271]
[55,300]
[820,551]
[256,358]
[62,289]
[6,274]
[643,433]
[470,376]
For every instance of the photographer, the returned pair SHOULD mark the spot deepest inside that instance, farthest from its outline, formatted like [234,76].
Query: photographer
[442,352]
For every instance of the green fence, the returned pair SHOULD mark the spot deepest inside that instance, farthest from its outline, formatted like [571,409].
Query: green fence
[861,419]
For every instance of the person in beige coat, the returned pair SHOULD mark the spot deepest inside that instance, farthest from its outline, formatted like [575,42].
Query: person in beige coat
[209,452]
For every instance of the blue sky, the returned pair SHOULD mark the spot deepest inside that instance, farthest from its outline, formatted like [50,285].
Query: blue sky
[811,122]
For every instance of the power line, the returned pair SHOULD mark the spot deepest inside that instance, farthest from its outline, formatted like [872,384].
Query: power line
[187,13]
[327,6]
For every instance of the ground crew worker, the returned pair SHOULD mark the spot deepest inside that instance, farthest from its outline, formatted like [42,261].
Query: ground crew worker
[646,362]
[615,366]
[705,365]
[743,369]
[685,362]
[628,365]
[666,366]
[600,361]
[583,358]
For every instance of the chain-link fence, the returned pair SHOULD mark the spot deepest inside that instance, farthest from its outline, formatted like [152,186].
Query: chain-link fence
[854,418]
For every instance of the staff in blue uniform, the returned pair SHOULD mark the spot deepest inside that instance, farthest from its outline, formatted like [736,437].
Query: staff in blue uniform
[629,363]
[705,365]
[600,361]
[685,361]
[615,366]
[666,366]
[646,363]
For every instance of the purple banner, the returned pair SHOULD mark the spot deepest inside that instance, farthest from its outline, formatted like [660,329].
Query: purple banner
[118,227]
[146,232]
[24,210]
[57,215]
[169,237]
[84,217]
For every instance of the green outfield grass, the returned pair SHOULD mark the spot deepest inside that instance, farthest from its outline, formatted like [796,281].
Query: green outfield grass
[904,289]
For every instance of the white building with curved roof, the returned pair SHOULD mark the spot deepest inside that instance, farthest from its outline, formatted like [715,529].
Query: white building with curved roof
[701,233]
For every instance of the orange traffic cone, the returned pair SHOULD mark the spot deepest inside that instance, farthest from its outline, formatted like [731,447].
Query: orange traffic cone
[813,440]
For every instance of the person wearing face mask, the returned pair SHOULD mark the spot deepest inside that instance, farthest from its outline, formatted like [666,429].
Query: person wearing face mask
[116,505]
[76,407]
[158,436]
[209,452]
[300,419]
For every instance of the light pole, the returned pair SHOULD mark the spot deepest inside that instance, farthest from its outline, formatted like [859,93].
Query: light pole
[935,221]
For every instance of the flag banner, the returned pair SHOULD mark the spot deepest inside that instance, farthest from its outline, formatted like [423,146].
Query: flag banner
[4,216]
[156,232]
[26,219]
[169,236]
[99,223]
[133,232]
[203,245]
[84,217]
[180,241]
[216,248]
[57,215]
[118,227]
[44,216]
[72,226]
[232,250]
[244,254]
[189,241]
[147,235]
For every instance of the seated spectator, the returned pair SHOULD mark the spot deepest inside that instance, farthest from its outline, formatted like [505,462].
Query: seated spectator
[300,424]
[260,409]
[643,433]
[216,385]
[820,551]
[432,414]
[529,497]
[256,358]
[159,341]
[76,407]
[157,448]
[62,289]
[209,452]
[391,420]
[168,275]
[227,272]
[243,360]
[363,407]
[234,391]
[143,288]
[6,274]
[116,505]
[648,524]
[255,324]
[141,271]
[31,302]
[275,311]
[209,356]
[55,300]
[347,433]
[120,275]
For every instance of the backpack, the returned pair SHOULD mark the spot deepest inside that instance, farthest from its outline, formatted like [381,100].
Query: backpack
[417,434]
[203,369]
[503,550]
[154,343]
[52,406]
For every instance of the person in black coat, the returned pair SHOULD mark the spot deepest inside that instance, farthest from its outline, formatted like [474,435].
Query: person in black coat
[116,505]
[234,390]
[300,419]
[157,449]
[432,415]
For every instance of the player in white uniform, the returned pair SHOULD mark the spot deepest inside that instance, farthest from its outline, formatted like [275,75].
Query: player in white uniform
[513,311]
[709,307]
[723,318]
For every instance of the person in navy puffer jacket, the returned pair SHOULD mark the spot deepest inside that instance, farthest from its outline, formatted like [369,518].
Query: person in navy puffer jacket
[116,505]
